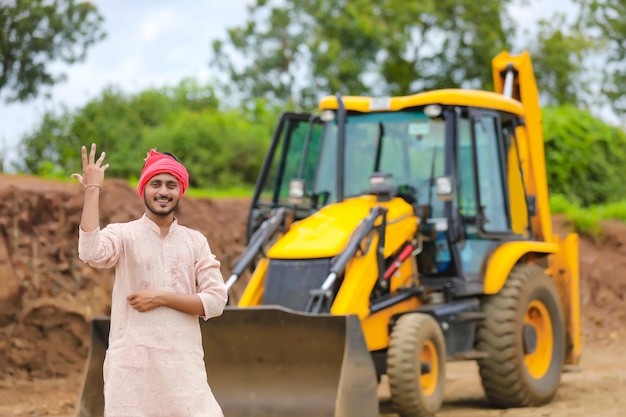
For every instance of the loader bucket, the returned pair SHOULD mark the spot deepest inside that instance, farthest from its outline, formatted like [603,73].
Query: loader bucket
[271,361]
[91,400]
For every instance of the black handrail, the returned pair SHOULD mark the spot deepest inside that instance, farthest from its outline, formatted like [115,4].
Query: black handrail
[263,234]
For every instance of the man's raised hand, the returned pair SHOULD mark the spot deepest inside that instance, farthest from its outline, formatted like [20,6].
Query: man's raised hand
[93,170]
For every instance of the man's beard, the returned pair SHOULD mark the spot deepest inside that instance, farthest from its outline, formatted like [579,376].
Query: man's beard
[160,213]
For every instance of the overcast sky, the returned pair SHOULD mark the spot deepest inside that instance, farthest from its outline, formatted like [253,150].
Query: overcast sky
[149,43]
[153,43]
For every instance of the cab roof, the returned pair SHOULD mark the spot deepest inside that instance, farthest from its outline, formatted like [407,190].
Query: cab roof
[458,97]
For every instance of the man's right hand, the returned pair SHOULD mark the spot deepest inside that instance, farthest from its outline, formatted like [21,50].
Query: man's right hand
[91,179]
[93,170]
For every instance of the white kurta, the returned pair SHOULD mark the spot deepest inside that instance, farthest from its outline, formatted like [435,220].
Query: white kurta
[154,365]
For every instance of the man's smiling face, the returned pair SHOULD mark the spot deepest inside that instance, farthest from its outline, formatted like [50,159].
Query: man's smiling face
[162,194]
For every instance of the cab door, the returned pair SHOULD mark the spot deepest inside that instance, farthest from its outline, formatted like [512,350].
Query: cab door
[492,206]
[491,195]
[293,154]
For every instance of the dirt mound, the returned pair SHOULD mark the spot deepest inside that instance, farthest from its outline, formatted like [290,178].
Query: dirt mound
[603,283]
[47,295]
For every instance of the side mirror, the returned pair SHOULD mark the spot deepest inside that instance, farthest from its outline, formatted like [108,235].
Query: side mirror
[444,189]
[296,191]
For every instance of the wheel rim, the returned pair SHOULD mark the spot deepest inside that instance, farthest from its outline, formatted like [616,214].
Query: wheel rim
[429,356]
[538,361]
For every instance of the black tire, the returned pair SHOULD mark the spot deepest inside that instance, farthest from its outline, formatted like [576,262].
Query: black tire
[524,336]
[416,340]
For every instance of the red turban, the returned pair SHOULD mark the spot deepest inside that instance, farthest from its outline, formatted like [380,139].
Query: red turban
[159,163]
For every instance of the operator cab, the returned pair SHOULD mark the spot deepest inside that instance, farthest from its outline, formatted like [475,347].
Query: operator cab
[458,166]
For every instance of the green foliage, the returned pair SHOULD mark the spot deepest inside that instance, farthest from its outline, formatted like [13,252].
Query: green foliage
[115,125]
[558,61]
[585,157]
[115,122]
[581,220]
[606,17]
[588,220]
[35,33]
[214,193]
[217,148]
[220,148]
[293,51]
[43,146]
[559,203]
[51,171]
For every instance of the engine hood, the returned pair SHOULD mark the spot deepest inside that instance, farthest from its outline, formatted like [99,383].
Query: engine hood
[327,232]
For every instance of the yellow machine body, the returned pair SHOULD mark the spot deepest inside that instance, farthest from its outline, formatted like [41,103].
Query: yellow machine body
[332,269]
[325,234]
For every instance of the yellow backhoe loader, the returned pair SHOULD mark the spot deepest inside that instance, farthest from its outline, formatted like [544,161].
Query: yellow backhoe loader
[388,236]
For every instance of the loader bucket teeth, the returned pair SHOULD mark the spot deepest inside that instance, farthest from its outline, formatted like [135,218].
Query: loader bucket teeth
[271,361]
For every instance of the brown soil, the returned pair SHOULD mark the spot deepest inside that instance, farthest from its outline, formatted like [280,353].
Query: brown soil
[47,296]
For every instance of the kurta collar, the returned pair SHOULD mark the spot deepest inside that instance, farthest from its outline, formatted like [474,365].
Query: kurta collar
[149,223]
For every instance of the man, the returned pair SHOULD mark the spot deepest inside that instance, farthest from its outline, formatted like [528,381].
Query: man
[165,278]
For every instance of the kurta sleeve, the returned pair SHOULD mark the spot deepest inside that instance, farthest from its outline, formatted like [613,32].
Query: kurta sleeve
[99,248]
[209,282]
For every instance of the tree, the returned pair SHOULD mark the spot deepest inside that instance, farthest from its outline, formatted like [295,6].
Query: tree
[116,121]
[293,51]
[606,16]
[290,51]
[42,150]
[35,33]
[558,61]
[220,148]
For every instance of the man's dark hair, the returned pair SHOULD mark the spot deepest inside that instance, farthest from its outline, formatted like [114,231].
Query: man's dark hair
[171,155]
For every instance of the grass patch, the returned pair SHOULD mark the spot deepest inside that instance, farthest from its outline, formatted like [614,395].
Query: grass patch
[233,192]
[586,220]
